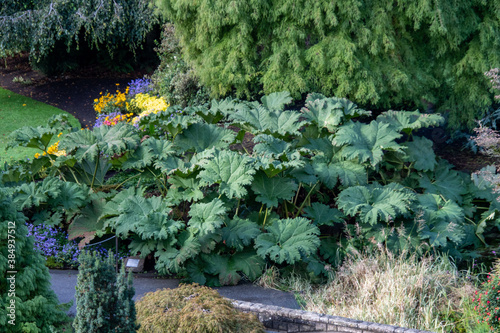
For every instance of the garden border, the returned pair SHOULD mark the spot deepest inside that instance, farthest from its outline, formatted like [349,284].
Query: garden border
[283,320]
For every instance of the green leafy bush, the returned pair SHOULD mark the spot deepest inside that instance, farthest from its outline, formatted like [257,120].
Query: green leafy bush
[384,54]
[192,308]
[103,297]
[174,79]
[279,187]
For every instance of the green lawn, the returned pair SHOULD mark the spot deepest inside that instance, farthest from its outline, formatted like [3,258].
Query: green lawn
[17,111]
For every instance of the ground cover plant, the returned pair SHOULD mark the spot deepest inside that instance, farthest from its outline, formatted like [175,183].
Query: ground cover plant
[314,184]
[14,107]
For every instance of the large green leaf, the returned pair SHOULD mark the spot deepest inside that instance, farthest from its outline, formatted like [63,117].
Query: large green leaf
[286,240]
[260,119]
[171,259]
[106,140]
[137,211]
[207,217]
[270,190]
[184,189]
[228,267]
[407,121]
[443,220]
[231,170]
[376,203]
[444,181]
[35,194]
[239,233]
[420,152]
[277,100]
[32,137]
[329,113]
[322,214]
[367,142]
[87,223]
[71,197]
[199,137]
[329,173]
[149,151]
[274,155]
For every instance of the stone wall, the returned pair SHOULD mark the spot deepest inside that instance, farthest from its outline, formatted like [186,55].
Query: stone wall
[277,319]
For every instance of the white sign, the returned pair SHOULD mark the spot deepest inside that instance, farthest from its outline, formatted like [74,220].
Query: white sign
[133,262]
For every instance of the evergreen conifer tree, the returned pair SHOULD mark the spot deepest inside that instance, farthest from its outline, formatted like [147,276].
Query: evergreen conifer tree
[377,53]
[103,298]
[27,302]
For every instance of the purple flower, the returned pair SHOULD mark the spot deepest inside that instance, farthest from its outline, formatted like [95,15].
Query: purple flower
[139,86]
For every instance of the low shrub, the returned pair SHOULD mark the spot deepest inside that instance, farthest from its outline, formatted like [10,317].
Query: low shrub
[192,308]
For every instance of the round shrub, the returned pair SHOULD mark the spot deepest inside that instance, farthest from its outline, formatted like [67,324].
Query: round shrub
[192,308]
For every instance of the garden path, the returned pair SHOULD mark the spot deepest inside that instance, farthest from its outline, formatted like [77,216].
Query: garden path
[64,283]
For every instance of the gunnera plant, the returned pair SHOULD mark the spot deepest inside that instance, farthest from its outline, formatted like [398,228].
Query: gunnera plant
[192,308]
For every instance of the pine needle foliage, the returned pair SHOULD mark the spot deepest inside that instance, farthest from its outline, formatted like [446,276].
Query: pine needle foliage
[36,308]
[103,297]
[383,53]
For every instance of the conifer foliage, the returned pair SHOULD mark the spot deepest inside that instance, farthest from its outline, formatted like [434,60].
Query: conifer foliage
[34,304]
[382,53]
[35,26]
[103,298]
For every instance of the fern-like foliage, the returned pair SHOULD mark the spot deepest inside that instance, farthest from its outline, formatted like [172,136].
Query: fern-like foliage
[287,240]
[376,203]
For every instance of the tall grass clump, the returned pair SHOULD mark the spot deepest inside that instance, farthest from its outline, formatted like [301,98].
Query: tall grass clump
[426,293]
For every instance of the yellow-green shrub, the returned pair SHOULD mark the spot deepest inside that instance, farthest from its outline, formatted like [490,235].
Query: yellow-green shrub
[192,308]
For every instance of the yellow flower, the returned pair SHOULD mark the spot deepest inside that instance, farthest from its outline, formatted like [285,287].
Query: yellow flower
[58,135]
[24,104]
[37,155]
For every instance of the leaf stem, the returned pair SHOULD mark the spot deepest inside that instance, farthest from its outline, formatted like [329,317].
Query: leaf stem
[305,199]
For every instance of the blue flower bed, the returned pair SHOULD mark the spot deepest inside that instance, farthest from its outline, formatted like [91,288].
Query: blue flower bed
[54,245]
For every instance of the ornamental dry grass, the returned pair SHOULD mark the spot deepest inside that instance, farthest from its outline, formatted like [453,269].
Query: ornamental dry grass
[426,293]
